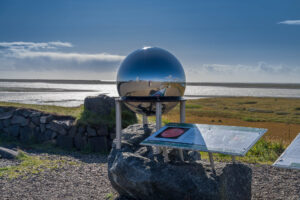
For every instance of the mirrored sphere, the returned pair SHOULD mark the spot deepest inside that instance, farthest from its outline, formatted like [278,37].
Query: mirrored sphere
[150,72]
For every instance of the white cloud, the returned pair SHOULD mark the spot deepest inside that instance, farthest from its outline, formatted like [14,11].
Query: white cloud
[34,45]
[47,56]
[261,72]
[290,22]
[80,57]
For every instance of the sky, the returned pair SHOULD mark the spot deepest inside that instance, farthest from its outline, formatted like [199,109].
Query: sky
[215,41]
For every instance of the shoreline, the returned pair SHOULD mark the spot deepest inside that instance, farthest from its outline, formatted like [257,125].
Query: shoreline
[214,84]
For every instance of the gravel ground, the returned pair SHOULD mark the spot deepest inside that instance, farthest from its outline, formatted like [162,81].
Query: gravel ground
[87,179]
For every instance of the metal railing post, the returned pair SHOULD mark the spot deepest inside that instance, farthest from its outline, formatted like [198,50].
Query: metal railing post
[182,120]
[118,123]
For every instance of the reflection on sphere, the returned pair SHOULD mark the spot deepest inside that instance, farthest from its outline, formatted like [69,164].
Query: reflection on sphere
[150,72]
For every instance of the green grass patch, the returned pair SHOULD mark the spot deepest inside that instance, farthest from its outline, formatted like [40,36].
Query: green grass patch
[263,152]
[93,119]
[58,110]
[248,102]
[109,196]
[193,106]
[297,108]
[31,165]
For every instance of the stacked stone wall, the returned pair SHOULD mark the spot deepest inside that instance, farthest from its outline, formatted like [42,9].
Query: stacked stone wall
[32,126]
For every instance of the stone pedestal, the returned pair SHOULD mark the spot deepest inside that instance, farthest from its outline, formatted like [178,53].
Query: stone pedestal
[136,172]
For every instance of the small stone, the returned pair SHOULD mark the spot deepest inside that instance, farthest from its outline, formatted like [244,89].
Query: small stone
[42,127]
[23,112]
[14,130]
[8,153]
[102,130]
[81,130]
[6,115]
[6,123]
[48,135]
[37,129]
[1,125]
[46,119]
[36,120]
[19,120]
[72,131]
[32,125]
[35,114]
[91,132]
[57,126]
[80,142]
[26,135]
[65,142]
[98,144]
[53,136]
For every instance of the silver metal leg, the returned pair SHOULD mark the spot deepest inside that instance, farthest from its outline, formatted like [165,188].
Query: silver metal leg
[118,123]
[158,115]
[233,159]
[182,120]
[212,164]
[145,120]
[182,111]
[158,126]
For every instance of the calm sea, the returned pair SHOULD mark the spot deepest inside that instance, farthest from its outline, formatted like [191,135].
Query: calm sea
[69,94]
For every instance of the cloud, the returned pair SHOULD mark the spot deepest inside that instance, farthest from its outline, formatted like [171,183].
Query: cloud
[290,22]
[261,67]
[43,56]
[260,72]
[34,45]
[80,57]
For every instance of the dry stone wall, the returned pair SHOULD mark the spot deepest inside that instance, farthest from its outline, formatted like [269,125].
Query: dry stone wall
[32,126]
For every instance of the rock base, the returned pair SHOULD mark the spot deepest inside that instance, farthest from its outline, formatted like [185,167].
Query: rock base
[136,172]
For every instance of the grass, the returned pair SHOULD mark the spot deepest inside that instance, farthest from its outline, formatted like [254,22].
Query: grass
[109,196]
[245,111]
[81,115]
[263,152]
[31,165]
[263,109]
[59,110]
[239,111]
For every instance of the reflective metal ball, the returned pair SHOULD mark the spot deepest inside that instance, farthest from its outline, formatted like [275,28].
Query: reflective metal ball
[147,72]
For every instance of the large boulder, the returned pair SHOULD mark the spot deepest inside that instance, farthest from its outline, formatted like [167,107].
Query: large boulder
[100,110]
[101,104]
[136,172]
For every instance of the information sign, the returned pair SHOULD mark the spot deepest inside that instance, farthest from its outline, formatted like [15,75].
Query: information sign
[290,158]
[232,140]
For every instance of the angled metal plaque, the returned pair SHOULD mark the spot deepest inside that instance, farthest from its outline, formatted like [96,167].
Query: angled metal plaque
[290,158]
[231,140]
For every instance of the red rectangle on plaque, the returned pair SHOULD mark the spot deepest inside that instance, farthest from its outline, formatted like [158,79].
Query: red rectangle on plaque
[172,133]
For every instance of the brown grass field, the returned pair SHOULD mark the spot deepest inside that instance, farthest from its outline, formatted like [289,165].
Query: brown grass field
[281,116]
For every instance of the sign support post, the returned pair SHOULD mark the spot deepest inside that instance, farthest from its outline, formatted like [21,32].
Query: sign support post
[118,123]
[211,159]
[182,120]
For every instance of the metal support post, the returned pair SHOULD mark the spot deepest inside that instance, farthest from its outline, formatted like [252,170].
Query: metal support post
[145,121]
[182,111]
[233,159]
[182,120]
[118,123]
[211,159]
[158,126]
[158,115]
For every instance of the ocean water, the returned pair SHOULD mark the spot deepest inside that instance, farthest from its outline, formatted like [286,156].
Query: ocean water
[74,94]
